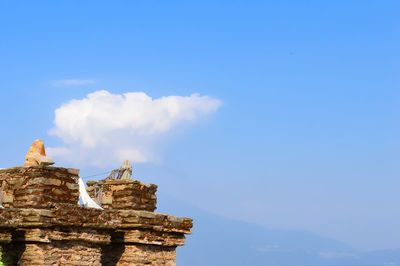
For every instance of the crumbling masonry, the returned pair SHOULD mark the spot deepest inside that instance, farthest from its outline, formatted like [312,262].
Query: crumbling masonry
[42,223]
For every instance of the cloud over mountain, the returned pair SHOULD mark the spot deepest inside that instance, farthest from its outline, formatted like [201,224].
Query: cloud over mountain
[104,127]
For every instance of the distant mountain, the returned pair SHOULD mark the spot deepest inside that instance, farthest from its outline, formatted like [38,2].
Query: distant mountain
[217,241]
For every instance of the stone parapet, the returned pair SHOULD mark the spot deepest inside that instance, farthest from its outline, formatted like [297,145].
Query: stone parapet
[123,194]
[42,223]
[38,186]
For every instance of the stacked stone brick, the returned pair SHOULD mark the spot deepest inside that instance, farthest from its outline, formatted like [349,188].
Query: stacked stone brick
[38,187]
[123,194]
[42,223]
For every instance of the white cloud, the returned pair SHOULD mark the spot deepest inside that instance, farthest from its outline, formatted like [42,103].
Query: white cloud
[105,128]
[71,82]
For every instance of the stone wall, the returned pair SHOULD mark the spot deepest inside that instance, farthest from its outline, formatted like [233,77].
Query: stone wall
[38,187]
[123,194]
[42,223]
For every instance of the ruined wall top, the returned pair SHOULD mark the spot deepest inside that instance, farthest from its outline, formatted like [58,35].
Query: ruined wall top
[41,195]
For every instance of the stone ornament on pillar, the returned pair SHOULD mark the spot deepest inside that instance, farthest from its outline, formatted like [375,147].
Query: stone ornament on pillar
[124,172]
[37,155]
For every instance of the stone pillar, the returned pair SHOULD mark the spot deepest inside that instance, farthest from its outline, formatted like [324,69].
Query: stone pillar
[38,187]
[123,194]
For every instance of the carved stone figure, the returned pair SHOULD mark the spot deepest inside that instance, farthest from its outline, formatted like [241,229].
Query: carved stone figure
[124,172]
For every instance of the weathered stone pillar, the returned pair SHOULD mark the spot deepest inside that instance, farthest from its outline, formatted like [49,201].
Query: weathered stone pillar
[42,223]
[123,194]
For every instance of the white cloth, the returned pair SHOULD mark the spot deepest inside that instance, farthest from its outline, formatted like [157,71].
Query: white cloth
[88,202]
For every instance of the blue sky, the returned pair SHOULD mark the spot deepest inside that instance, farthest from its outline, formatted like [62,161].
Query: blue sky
[307,133]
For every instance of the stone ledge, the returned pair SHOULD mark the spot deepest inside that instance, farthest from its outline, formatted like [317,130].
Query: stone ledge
[76,216]
[16,169]
[95,236]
